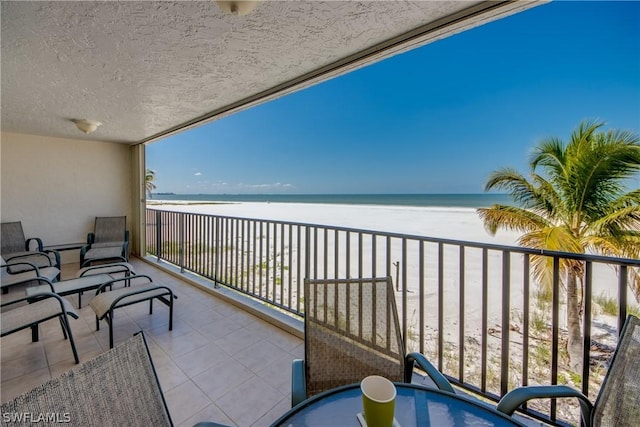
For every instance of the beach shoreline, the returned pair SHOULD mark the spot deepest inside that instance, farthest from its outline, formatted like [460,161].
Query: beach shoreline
[456,223]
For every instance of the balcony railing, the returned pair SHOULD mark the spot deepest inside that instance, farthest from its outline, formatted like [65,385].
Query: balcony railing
[474,309]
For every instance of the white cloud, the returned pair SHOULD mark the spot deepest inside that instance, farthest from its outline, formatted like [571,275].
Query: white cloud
[198,173]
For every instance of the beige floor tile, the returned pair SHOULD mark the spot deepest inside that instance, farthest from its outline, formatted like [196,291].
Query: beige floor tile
[222,378]
[249,401]
[185,400]
[197,318]
[175,345]
[260,355]
[169,374]
[278,374]
[239,340]
[211,413]
[17,367]
[201,359]
[12,388]
[276,412]
[19,346]
[219,328]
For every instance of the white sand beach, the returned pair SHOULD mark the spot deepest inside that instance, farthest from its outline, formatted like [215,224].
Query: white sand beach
[449,223]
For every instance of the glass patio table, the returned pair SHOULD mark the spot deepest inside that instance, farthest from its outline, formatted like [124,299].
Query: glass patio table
[415,406]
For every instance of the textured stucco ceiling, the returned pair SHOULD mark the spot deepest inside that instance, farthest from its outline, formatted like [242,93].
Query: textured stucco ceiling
[146,68]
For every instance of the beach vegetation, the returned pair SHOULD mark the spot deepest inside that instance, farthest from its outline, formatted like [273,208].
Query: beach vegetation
[608,304]
[149,185]
[634,310]
[574,199]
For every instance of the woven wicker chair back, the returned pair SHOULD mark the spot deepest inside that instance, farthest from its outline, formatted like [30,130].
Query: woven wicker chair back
[12,239]
[110,229]
[351,331]
[117,388]
[618,402]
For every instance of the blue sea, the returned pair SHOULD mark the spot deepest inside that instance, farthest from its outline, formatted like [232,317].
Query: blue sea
[435,200]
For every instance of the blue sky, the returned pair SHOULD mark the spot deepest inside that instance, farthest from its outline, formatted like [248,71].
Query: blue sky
[437,119]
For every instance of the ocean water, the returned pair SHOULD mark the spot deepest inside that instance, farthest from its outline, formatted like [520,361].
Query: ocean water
[422,200]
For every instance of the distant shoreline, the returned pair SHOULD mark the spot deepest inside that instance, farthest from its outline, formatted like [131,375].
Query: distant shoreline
[417,200]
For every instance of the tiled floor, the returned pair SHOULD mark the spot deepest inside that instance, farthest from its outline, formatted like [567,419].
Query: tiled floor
[219,363]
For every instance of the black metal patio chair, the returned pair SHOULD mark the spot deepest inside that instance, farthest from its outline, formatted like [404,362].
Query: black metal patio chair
[618,401]
[352,331]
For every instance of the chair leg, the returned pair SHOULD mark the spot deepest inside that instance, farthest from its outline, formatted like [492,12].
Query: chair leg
[80,300]
[64,320]
[64,331]
[110,328]
[34,333]
[151,306]
[97,324]
[171,312]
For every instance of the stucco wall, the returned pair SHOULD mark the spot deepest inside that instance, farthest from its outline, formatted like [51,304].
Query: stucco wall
[57,187]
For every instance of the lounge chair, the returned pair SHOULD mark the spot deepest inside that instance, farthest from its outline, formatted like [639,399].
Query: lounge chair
[23,272]
[618,401]
[15,246]
[352,331]
[140,288]
[47,306]
[109,241]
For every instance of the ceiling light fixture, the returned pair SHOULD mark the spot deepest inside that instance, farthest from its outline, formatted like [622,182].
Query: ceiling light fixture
[85,125]
[240,8]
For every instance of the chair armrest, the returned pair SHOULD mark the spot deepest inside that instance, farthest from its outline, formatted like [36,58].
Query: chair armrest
[436,376]
[102,287]
[516,397]
[40,296]
[37,278]
[83,252]
[298,382]
[29,264]
[27,244]
[90,238]
[126,236]
[29,255]
[56,255]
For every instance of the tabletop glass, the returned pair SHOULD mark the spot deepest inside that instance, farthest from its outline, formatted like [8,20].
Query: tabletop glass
[415,406]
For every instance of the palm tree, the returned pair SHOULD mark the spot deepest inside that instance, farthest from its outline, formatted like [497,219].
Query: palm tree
[149,177]
[575,200]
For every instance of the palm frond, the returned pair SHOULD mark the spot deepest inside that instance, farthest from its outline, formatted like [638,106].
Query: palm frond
[510,218]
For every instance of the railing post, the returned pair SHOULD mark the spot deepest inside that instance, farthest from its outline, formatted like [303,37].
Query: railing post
[158,235]
[506,310]
[307,252]
[181,254]
[622,297]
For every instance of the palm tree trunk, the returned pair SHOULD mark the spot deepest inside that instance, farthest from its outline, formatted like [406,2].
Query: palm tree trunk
[574,343]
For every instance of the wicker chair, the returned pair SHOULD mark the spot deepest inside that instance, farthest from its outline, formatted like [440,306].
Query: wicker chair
[15,247]
[352,331]
[618,401]
[108,242]
[118,388]
[48,306]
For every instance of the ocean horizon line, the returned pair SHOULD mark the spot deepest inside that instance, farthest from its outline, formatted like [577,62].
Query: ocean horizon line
[468,200]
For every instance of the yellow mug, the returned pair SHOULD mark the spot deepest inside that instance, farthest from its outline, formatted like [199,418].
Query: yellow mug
[378,401]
